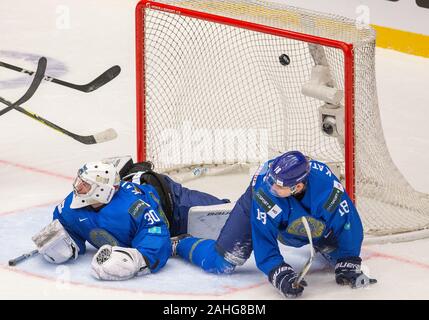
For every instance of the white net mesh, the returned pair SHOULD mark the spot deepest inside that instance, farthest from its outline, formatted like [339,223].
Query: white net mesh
[218,94]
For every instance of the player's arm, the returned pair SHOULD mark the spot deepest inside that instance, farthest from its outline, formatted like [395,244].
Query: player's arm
[265,245]
[151,248]
[153,240]
[268,257]
[79,241]
[56,242]
[347,232]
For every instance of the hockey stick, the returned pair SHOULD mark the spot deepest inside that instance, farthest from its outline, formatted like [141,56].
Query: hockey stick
[307,265]
[15,261]
[38,77]
[106,135]
[101,80]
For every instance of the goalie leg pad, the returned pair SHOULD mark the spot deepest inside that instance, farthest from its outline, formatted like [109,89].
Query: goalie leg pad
[184,199]
[207,221]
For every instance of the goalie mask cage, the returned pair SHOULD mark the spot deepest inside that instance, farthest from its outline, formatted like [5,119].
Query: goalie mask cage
[222,82]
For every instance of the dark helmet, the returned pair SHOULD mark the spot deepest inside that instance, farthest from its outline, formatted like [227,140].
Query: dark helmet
[288,170]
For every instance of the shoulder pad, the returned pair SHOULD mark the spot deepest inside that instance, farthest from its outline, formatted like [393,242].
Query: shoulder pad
[266,203]
[334,198]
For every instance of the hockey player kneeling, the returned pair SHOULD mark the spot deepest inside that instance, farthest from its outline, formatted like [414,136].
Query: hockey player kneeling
[288,190]
[285,192]
[123,219]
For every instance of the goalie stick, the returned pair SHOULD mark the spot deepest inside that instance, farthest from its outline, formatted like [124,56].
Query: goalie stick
[307,265]
[101,80]
[15,261]
[106,135]
[38,77]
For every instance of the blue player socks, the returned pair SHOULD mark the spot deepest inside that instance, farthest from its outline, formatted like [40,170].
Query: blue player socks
[202,253]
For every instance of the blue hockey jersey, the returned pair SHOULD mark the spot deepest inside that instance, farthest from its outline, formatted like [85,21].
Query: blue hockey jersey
[133,218]
[334,221]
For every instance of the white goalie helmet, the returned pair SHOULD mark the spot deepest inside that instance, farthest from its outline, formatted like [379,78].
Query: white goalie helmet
[96,182]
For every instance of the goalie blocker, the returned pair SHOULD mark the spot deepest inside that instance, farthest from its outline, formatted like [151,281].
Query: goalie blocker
[55,244]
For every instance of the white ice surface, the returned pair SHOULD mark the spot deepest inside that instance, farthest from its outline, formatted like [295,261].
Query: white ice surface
[37,164]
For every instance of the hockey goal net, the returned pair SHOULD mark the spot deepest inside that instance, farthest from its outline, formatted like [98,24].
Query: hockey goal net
[230,82]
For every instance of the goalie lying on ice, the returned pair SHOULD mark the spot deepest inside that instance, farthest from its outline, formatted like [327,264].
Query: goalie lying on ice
[123,219]
[130,222]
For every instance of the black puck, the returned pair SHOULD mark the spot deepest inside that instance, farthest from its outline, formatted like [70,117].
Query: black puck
[284,59]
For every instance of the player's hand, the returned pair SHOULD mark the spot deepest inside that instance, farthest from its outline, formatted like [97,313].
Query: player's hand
[348,272]
[118,263]
[283,278]
[55,244]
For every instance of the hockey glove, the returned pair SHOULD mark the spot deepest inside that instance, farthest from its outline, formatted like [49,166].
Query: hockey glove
[283,278]
[348,272]
[55,244]
[118,263]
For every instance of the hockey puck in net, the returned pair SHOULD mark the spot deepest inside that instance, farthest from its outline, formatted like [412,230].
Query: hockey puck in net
[284,59]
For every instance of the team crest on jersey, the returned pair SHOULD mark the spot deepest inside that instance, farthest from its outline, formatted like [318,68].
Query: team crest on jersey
[138,208]
[100,237]
[267,205]
[334,198]
[297,228]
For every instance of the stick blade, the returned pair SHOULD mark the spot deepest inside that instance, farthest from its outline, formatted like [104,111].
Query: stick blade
[102,79]
[105,135]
